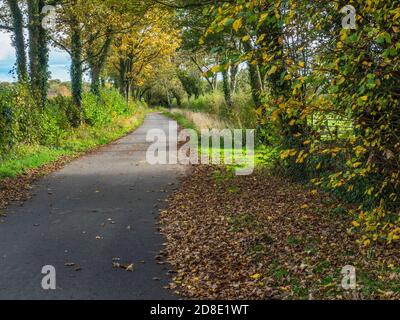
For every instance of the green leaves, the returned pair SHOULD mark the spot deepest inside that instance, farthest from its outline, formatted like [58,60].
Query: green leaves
[383,38]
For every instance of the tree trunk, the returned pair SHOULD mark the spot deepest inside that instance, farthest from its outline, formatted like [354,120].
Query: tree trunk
[227,88]
[77,71]
[43,58]
[97,62]
[234,73]
[177,96]
[18,40]
[127,91]
[214,85]
[38,52]
[33,9]
[121,76]
[255,83]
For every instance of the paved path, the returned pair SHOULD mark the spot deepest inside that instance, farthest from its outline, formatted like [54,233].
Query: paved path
[111,194]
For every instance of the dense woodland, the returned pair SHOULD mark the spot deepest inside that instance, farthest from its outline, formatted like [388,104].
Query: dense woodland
[324,97]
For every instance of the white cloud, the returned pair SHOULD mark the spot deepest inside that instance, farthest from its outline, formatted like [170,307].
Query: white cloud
[59,61]
[6,49]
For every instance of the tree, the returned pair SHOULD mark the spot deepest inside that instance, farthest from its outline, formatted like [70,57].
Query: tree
[219,48]
[18,39]
[137,54]
[38,51]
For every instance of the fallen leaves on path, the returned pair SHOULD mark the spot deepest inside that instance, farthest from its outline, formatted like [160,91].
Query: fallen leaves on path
[19,188]
[73,264]
[126,267]
[263,237]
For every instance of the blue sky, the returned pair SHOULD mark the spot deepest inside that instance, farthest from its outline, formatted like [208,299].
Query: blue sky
[59,61]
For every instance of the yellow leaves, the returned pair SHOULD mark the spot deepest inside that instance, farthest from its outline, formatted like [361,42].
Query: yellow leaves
[149,45]
[263,17]
[341,80]
[366,242]
[216,69]
[359,144]
[304,206]
[301,157]
[246,38]
[359,150]
[289,61]
[355,224]
[394,235]
[357,164]
[237,24]
[275,115]
[223,22]
[288,153]
[288,77]
[272,70]
[297,86]
[256,276]
[261,38]
[267,58]
[370,191]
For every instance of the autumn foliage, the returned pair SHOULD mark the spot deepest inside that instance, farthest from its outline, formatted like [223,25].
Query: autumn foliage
[333,94]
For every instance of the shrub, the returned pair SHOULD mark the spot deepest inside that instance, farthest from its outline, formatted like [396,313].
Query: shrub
[22,121]
[6,119]
[63,110]
[99,111]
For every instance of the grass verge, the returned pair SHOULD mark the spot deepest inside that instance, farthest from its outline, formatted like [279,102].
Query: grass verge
[264,156]
[180,119]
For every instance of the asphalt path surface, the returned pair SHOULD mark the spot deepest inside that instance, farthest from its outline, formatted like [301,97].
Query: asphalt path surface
[99,210]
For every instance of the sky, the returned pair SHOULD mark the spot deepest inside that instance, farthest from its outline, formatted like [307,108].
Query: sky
[58,63]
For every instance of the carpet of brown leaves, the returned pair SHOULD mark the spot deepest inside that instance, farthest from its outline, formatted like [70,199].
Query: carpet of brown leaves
[263,237]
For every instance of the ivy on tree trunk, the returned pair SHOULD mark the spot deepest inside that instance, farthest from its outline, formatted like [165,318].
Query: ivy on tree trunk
[18,39]
[77,71]
[38,52]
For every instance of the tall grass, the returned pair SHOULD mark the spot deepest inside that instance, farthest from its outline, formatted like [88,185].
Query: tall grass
[241,115]
[203,120]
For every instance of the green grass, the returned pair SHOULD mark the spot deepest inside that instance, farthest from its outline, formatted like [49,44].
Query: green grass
[264,156]
[25,157]
[180,119]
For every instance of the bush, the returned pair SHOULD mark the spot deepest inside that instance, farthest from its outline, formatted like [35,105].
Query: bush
[112,100]
[98,111]
[19,117]
[63,110]
[22,121]
[6,120]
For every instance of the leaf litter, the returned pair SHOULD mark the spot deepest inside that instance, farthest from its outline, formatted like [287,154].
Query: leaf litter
[269,239]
